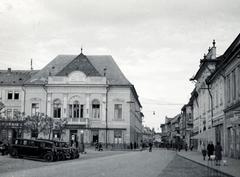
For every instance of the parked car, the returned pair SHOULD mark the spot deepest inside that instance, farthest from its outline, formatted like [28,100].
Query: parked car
[40,149]
[4,148]
[64,151]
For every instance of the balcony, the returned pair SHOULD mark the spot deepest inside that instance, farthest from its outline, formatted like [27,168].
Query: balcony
[78,121]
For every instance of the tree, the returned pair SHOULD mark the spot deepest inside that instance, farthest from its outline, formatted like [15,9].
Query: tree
[37,124]
[60,125]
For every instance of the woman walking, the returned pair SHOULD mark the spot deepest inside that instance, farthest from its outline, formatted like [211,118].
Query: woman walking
[218,153]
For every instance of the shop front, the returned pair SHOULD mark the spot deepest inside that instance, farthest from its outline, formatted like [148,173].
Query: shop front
[10,130]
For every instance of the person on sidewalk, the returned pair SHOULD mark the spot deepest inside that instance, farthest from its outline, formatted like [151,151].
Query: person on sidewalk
[218,153]
[210,149]
[150,146]
[204,152]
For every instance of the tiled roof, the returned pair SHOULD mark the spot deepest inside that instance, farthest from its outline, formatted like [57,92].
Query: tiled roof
[15,77]
[99,62]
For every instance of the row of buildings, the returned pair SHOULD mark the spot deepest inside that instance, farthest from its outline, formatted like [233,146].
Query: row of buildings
[91,92]
[213,110]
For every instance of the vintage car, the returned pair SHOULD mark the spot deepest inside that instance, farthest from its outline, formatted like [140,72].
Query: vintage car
[40,149]
[64,151]
[4,148]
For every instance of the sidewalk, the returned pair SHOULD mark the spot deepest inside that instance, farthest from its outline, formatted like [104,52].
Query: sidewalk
[232,168]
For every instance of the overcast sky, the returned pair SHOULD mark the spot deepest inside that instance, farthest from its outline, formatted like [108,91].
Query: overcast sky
[156,43]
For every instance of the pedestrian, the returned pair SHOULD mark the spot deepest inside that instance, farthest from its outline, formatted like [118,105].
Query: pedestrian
[131,145]
[100,147]
[150,146]
[96,145]
[186,147]
[135,145]
[204,152]
[210,149]
[141,148]
[218,154]
[191,148]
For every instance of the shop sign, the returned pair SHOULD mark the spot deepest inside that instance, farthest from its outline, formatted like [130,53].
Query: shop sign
[11,124]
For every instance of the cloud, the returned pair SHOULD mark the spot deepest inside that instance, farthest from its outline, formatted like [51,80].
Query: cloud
[157,44]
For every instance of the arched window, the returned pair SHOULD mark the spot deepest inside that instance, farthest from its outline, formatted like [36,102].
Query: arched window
[57,108]
[95,109]
[76,110]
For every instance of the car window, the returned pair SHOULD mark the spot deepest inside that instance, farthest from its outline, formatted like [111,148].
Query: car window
[48,145]
[42,144]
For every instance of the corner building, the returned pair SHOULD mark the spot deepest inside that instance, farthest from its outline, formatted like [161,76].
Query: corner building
[98,101]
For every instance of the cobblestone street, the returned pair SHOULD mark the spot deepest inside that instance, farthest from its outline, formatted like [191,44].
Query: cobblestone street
[180,167]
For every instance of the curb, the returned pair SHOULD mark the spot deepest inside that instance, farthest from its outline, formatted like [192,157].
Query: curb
[224,173]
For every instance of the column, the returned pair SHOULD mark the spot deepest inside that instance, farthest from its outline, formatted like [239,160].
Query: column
[49,101]
[87,105]
[65,105]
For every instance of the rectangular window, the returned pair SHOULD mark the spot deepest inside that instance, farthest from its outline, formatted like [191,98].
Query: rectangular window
[228,88]
[239,80]
[9,113]
[16,114]
[35,109]
[118,111]
[81,111]
[57,112]
[96,111]
[10,95]
[76,111]
[234,84]
[16,95]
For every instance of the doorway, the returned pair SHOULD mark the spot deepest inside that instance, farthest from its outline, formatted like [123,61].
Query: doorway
[95,136]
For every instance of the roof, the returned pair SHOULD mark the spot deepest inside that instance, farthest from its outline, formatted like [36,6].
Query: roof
[226,58]
[99,62]
[176,118]
[15,77]
[203,65]
[80,63]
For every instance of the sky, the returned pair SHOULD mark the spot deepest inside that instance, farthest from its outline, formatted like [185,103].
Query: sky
[156,43]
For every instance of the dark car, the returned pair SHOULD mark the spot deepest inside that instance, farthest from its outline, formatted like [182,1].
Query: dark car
[65,151]
[4,148]
[40,149]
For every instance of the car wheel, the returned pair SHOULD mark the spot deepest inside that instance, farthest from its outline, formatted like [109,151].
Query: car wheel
[14,153]
[48,157]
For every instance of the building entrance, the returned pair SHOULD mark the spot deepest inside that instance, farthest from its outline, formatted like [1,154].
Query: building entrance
[95,136]
[73,138]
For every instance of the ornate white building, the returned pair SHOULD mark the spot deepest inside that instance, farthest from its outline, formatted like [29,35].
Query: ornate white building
[98,101]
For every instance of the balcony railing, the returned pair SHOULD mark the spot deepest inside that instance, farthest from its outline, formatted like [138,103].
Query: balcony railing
[79,121]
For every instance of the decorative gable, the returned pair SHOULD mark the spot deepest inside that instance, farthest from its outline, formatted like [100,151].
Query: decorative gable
[80,63]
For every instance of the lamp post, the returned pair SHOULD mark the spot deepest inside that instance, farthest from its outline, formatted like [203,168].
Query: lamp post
[82,141]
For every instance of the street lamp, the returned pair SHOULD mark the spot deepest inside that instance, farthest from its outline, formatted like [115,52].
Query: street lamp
[82,141]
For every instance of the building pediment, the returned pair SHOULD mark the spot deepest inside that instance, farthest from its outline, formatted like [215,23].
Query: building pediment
[77,76]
